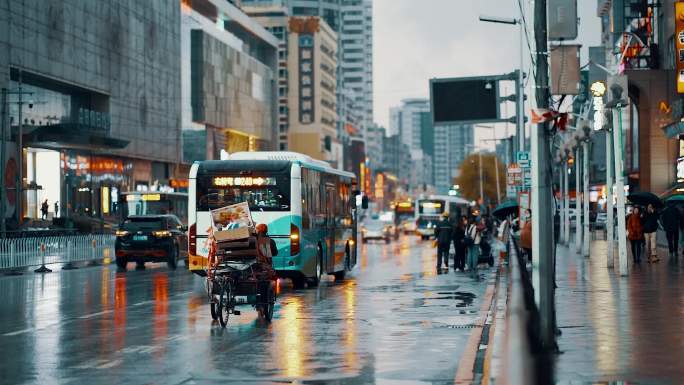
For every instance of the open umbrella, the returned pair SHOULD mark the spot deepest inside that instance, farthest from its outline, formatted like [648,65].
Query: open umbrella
[643,198]
[506,208]
[678,198]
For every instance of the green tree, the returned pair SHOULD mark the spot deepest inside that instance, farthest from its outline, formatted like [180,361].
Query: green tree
[469,177]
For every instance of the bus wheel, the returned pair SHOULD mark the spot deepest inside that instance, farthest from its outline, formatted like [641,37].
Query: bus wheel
[313,282]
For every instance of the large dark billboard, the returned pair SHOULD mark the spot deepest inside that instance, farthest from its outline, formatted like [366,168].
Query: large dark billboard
[464,100]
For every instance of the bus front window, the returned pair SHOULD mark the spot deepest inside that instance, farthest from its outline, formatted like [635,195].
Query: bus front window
[275,197]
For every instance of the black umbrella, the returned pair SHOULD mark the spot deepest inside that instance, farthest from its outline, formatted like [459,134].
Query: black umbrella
[644,198]
[506,208]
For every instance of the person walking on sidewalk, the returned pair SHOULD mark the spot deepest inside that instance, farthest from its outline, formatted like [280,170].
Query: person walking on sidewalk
[635,233]
[670,219]
[473,238]
[459,243]
[526,237]
[443,235]
[650,231]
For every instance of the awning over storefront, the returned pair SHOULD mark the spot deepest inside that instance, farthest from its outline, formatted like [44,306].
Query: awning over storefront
[73,136]
[673,130]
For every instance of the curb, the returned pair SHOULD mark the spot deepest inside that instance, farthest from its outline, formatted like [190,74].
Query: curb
[474,364]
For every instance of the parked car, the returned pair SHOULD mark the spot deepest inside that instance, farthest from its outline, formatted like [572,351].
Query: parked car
[151,238]
[375,229]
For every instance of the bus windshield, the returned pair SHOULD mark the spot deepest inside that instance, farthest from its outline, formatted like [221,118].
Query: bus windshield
[266,193]
[431,207]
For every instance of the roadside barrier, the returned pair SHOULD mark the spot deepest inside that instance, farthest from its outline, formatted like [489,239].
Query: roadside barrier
[17,254]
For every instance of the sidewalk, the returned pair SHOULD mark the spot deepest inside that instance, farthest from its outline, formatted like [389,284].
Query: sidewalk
[616,328]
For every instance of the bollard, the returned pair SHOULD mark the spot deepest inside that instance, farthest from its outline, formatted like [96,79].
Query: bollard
[15,270]
[42,268]
[69,265]
[93,261]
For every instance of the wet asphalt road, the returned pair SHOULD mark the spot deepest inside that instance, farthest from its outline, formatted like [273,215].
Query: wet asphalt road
[394,320]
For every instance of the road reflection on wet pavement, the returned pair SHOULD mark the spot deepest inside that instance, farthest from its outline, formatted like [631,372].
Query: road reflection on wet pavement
[394,320]
[619,329]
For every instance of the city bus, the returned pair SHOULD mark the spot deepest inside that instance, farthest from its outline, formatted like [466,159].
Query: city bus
[405,216]
[430,210]
[154,203]
[309,207]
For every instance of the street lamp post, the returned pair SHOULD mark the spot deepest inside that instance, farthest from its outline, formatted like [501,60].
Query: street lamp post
[519,83]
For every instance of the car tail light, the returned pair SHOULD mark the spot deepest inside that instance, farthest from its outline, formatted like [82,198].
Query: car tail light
[294,239]
[192,239]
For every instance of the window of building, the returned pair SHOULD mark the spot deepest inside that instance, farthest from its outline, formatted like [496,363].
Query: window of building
[305,11]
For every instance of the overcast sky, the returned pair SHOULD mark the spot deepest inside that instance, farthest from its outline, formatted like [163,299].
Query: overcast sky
[415,40]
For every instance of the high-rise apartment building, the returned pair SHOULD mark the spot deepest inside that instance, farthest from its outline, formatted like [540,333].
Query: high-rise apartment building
[451,146]
[406,122]
[352,20]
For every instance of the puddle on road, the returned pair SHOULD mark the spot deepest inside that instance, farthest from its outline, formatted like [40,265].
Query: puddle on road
[462,298]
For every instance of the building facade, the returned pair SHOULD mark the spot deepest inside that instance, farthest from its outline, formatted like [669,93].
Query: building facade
[103,79]
[451,143]
[228,66]
[406,122]
[352,21]
[312,65]
[652,131]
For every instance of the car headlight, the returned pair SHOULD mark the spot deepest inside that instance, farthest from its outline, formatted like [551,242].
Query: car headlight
[121,233]
[161,233]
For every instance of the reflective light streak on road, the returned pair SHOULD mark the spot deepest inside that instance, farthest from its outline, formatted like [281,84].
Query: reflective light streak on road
[350,355]
[290,332]
[161,312]
[602,314]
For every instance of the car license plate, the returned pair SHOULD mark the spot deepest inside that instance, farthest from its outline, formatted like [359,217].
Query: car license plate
[140,237]
[241,299]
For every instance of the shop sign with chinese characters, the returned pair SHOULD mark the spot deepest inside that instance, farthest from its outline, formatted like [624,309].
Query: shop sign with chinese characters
[679,45]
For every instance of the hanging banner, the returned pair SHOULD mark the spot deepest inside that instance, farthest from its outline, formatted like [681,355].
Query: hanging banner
[679,45]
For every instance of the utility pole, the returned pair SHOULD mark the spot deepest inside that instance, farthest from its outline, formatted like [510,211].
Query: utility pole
[566,200]
[620,187]
[3,149]
[586,243]
[578,202]
[542,199]
[609,198]
[479,161]
[561,186]
[20,158]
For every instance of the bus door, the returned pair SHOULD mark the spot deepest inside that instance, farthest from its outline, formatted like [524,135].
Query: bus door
[329,257]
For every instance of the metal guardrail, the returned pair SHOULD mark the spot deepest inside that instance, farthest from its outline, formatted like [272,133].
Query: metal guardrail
[19,253]
[518,361]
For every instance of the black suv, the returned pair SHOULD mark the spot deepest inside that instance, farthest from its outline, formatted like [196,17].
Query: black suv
[151,238]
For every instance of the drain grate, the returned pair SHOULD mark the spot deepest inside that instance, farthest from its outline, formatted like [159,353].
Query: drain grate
[466,326]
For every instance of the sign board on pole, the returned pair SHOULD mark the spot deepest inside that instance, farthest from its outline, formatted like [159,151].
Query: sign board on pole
[514,175]
[527,178]
[562,19]
[464,100]
[564,60]
[523,206]
[523,159]
[679,45]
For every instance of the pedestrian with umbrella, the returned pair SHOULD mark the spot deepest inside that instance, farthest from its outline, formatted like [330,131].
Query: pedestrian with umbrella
[670,219]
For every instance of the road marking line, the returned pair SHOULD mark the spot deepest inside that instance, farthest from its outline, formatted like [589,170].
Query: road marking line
[18,332]
[95,314]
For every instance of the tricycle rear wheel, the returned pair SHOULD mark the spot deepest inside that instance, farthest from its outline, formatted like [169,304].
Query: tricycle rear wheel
[225,304]
[266,310]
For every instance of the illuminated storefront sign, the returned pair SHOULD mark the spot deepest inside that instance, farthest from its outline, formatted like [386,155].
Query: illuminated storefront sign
[679,45]
[143,197]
